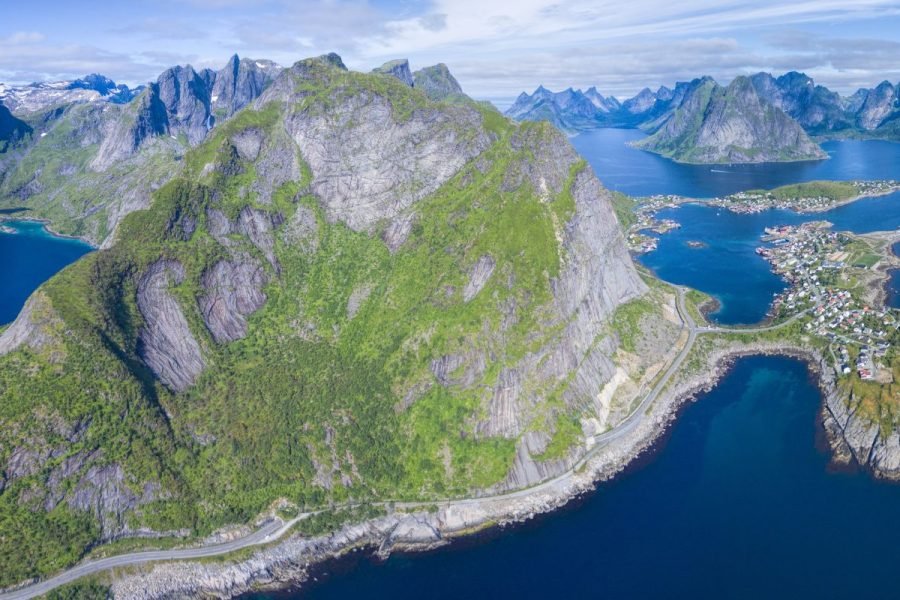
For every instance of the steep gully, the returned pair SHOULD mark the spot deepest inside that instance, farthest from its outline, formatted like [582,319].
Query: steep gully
[276,528]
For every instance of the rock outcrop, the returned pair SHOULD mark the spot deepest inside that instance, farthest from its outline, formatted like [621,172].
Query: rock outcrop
[366,166]
[232,292]
[12,130]
[183,102]
[166,343]
[819,111]
[880,103]
[437,82]
[730,125]
[33,326]
[398,68]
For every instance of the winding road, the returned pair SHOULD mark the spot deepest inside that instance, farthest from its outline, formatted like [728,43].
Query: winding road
[276,528]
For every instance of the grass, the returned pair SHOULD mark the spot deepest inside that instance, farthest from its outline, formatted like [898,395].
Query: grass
[627,319]
[833,190]
[307,406]
[624,206]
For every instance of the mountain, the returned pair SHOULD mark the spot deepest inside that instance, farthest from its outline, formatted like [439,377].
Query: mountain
[437,82]
[569,110]
[347,292]
[603,103]
[573,110]
[732,124]
[12,130]
[34,98]
[641,103]
[815,107]
[869,113]
[398,68]
[94,161]
[881,105]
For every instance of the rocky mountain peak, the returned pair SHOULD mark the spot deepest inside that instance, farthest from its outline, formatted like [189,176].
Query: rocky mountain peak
[12,129]
[732,124]
[99,83]
[642,102]
[398,68]
[437,82]
[880,103]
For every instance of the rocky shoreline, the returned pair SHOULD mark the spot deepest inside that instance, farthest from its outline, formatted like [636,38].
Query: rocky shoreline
[290,563]
[46,225]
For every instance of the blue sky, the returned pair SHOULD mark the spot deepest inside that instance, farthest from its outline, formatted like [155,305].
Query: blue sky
[496,48]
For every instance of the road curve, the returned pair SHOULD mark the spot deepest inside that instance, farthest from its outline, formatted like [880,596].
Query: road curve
[268,532]
[276,528]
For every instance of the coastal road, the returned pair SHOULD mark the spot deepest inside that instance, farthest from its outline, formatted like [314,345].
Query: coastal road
[277,528]
[268,532]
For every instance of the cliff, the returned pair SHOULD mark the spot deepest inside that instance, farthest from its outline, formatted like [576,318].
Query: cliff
[12,130]
[351,292]
[732,124]
[94,161]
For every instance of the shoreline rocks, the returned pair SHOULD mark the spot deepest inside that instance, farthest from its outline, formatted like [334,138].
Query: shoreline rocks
[289,563]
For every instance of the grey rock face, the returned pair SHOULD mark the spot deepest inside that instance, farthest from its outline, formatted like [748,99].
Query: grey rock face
[730,125]
[31,327]
[166,343]
[302,229]
[257,225]
[240,82]
[437,82]
[526,470]
[479,276]
[232,292]
[185,94]
[878,105]
[397,68]
[357,299]
[368,167]
[103,491]
[277,162]
[12,130]
[814,107]
[398,231]
[641,103]
[596,277]
[183,102]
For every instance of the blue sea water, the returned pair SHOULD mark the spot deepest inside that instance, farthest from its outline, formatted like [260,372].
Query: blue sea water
[639,173]
[727,267]
[737,503]
[28,258]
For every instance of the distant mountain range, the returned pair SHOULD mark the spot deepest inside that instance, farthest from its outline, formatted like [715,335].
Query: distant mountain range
[755,119]
[61,143]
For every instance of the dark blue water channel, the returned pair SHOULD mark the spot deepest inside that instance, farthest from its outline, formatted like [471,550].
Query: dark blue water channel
[28,258]
[726,266]
[737,503]
[639,173]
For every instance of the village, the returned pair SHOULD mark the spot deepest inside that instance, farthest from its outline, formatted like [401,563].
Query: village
[639,242]
[810,197]
[824,271]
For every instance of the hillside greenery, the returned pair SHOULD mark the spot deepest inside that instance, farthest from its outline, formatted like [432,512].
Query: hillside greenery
[308,387]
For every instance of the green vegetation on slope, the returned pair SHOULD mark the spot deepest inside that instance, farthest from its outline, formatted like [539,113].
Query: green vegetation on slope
[310,405]
[834,190]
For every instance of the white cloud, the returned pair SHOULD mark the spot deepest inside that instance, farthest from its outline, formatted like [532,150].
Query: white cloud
[496,47]
[22,37]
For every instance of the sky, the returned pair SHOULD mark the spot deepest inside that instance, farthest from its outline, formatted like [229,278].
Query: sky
[495,48]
